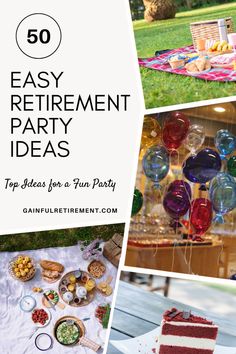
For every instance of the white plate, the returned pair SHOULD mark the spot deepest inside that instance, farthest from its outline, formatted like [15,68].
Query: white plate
[221,65]
[198,72]
[43,341]
[46,323]
[146,343]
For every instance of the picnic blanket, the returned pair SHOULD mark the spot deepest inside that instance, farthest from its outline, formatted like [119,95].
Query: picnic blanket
[160,63]
[16,326]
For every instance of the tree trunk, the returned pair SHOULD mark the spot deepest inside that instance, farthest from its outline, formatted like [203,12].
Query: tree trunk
[189,4]
[159,9]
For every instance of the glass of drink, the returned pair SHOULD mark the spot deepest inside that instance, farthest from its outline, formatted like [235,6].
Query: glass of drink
[232,41]
[201,45]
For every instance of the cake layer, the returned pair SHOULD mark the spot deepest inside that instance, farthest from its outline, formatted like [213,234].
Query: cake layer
[188,330]
[168,349]
[189,324]
[188,342]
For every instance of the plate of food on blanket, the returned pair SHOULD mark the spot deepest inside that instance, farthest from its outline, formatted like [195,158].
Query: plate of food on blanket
[77,288]
[51,271]
[22,267]
[180,332]
[50,299]
[104,287]
[178,61]
[199,66]
[41,317]
[225,61]
[218,48]
[70,331]
[102,313]
[96,269]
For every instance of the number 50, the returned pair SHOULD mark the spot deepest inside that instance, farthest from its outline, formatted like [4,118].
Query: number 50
[33,37]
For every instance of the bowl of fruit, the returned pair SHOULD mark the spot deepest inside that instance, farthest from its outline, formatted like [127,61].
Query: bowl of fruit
[22,268]
[218,48]
[41,317]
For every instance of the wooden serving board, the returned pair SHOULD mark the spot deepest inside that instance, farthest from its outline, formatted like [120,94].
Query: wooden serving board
[48,305]
[62,288]
[223,66]
[214,54]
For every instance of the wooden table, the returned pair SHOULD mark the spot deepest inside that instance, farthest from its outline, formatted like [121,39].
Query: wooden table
[229,255]
[201,260]
[138,312]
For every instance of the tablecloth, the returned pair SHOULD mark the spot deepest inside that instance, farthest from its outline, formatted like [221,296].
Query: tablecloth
[160,63]
[16,326]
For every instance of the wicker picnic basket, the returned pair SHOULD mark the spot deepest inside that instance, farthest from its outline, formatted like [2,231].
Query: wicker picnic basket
[209,29]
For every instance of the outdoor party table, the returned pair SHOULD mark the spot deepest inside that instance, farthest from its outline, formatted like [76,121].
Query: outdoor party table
[201,259]
[138,312]
[17,326]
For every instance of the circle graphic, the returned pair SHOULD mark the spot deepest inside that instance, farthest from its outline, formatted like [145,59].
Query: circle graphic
[38,36]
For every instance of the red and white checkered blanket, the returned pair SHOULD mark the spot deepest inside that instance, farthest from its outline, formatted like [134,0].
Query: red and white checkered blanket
[160,63]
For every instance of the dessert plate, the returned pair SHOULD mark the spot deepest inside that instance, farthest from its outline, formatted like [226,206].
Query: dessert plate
[223,61]
[147,344]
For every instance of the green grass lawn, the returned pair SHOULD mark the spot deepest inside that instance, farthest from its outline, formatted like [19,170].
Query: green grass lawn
[57,238]
[162,89]
[225,288]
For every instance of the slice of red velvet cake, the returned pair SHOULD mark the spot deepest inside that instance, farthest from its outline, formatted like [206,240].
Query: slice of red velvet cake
[184,333]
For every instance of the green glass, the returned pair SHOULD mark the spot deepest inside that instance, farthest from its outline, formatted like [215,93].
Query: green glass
[232,166]
[137,201]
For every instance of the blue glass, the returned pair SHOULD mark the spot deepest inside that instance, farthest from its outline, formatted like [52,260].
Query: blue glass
[225,142]
[202,167]
[156,163]
[222,194]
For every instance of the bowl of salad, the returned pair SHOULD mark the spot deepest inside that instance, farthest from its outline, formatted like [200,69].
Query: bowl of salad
[68,330]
